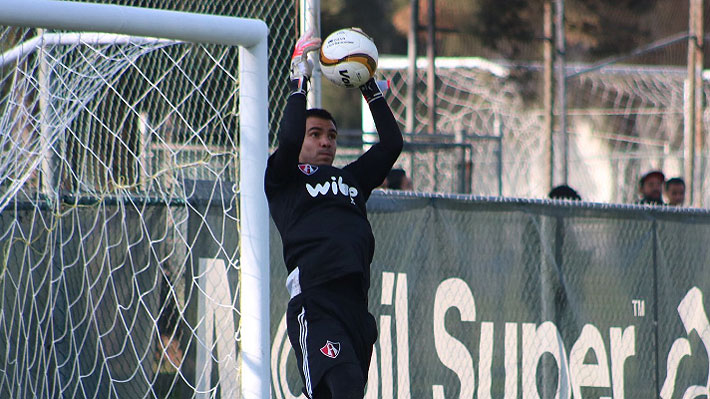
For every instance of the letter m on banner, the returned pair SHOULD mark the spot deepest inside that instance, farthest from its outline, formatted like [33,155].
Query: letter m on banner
[216,331]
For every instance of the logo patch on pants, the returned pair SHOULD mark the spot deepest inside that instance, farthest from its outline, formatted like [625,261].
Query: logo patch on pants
[331,349]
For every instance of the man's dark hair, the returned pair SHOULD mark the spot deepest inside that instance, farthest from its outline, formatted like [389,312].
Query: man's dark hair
[656,173]
[322,114]
[564,192]
[675,180]
[394,179]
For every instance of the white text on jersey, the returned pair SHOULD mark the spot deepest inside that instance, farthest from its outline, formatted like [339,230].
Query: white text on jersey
[334,186]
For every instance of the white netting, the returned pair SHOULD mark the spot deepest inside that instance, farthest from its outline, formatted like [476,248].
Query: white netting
[119,228]
[623,122]
[483,117]
[490,137]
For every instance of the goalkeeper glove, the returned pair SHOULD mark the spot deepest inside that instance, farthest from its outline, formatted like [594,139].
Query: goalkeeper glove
[372,89]
[301,66]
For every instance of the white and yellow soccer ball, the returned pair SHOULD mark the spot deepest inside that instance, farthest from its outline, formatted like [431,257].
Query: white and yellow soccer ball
[348,58]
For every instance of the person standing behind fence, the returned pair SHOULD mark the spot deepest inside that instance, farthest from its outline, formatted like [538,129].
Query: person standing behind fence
[397,180]
[675,191]
[651,188]
[564,192]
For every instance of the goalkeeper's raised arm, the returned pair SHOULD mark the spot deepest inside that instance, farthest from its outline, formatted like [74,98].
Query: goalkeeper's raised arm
[372,167]
[293,123]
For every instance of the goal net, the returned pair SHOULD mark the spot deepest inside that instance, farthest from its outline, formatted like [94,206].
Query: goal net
[489,139]
[622,121]
[122,211]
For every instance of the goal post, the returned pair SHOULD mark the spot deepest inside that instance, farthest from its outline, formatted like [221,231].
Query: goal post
[254,232]
[251,37]
[134,21]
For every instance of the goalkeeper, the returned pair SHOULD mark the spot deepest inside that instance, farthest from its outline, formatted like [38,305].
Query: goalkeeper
[328,244]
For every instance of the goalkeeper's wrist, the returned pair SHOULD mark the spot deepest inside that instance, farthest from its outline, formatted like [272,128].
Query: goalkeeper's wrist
[299,85]
[370,90]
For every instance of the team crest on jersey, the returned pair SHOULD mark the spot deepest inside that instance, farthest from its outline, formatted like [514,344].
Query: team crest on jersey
[307,169]
[331,349]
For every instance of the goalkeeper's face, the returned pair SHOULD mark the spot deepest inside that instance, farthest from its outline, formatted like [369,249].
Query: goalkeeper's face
[319,144]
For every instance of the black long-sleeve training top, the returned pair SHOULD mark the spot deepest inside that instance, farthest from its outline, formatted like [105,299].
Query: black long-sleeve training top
[320,210]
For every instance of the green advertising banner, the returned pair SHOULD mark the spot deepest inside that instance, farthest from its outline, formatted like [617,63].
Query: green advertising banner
[473,297]
[482,298]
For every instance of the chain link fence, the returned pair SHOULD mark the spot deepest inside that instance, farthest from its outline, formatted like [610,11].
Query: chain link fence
[484,298]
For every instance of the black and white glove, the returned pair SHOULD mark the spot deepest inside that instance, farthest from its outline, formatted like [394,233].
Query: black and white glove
[301,66]
[372,89]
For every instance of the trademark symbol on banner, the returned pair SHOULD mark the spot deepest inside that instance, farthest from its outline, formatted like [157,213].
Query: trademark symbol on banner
[639,306]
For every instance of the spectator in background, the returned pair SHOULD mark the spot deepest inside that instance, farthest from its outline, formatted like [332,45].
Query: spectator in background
[397,180]
[564,192]
[675,191]
[651,188]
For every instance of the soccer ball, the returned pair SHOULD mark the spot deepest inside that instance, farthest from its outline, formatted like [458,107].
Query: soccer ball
[348,58]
